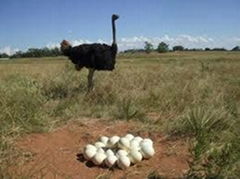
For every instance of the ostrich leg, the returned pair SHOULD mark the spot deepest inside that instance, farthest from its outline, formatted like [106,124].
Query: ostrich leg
[78,67]
[90,79]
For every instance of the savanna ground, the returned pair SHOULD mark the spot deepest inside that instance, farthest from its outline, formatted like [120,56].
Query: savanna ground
[187,102]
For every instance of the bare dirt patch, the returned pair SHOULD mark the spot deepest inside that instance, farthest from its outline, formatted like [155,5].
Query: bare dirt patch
[58,154]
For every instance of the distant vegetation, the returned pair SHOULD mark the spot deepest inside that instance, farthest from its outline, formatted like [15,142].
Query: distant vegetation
[3,55]
[178,48]
[34,52]
[163,48]
[148,48]
[38,52]
[237,48]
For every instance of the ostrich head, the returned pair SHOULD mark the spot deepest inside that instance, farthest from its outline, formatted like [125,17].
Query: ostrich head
[115,17]
[65,45]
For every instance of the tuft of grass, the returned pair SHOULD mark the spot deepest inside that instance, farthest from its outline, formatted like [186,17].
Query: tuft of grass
[21,105]
[64,84]
[154,175]
[214,142]
[127,109]
[103,176]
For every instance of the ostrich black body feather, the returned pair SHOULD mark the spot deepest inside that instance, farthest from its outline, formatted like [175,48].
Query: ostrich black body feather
[96,56]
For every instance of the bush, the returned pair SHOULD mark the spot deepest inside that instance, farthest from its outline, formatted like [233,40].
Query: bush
[178,48]
[148,47]
[162,47]
[237,48]
[3,55]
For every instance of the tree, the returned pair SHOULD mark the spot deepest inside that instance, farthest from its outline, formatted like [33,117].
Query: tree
[18,54]
[207,49]
[3,55]
[178,48]
[162,47]
[148,47]
[237,48]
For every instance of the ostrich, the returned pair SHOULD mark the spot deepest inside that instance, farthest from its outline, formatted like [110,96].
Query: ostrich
[92,56]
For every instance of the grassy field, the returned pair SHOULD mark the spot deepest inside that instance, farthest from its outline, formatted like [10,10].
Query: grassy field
[195,95]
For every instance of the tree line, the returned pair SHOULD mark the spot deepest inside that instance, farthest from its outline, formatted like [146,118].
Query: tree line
[164,47]
[148,47]
[4,55]
[34,52]
[37,52]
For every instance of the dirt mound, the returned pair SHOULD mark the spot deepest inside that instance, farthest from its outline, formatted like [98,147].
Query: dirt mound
[58,154]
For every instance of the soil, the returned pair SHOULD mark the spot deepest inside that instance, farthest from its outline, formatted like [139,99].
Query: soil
[58,154]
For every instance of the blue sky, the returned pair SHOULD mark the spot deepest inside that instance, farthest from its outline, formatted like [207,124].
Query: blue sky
[192,23]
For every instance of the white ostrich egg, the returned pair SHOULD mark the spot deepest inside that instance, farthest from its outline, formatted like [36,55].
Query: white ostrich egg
[98,158]
[99,145]
[148,141]
[145,143]
[89,153]
[104,139]
[138,138]
[110,160]
[100,150]
[129,136]
[90,146]
[135,156]
[123,162]
[147,151]
[113,141]
[124,143]
[109,152]
[134,145]
[121,153]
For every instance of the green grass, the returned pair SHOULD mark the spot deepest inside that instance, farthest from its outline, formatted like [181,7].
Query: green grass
[195,94]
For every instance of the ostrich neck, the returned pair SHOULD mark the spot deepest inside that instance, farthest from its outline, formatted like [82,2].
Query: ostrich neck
[114,31]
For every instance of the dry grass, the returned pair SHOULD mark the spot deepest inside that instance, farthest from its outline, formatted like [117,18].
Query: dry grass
[195,94]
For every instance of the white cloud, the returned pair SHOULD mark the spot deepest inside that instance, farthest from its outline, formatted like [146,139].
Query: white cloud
[237,39]
[52,45]
[185,40]
[8,50]
[73,42]
[188,41]
[80,41]
[102,41]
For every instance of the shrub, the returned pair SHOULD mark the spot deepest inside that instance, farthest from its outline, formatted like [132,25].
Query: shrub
[148,47]
[162,47]
[178,48]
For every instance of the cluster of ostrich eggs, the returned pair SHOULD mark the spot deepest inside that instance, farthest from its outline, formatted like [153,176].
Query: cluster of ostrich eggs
[119,151]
